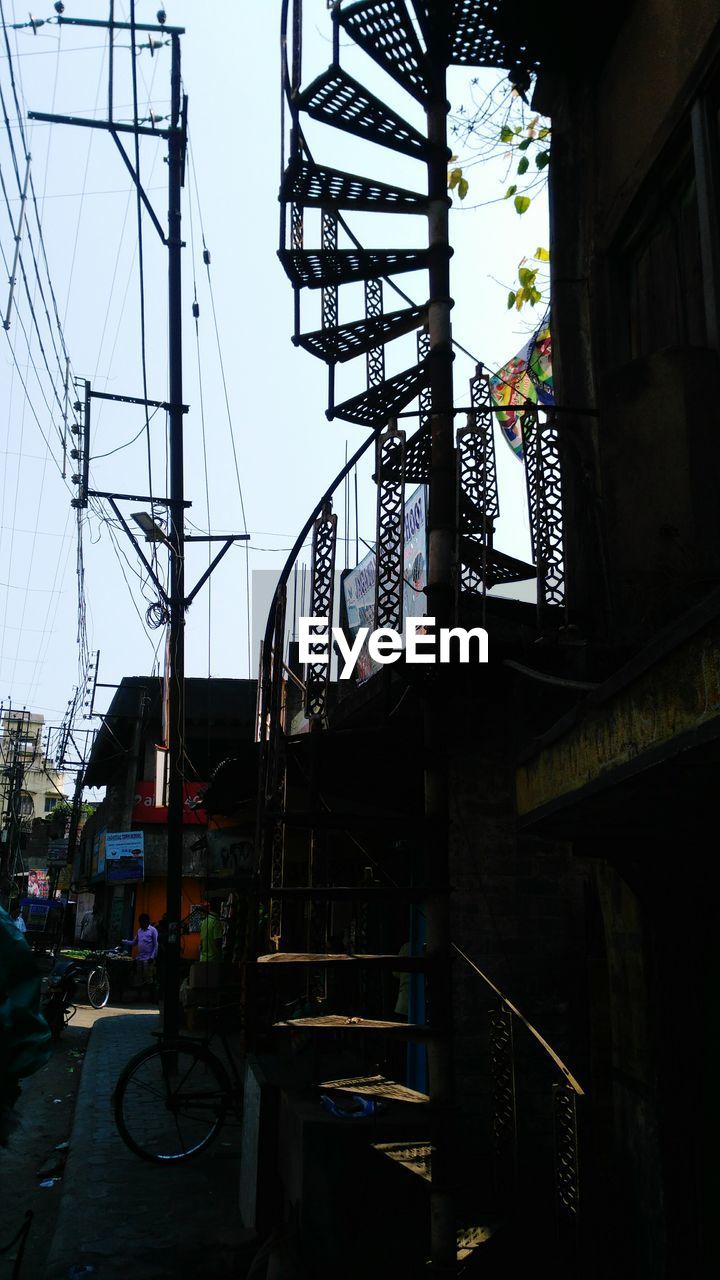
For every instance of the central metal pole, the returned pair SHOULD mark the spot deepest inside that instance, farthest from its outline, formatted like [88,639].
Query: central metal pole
[440,605]
[176,653]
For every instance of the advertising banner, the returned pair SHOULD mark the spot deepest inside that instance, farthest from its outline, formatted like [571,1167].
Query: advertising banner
[146,810]
[124,856]
[359,585]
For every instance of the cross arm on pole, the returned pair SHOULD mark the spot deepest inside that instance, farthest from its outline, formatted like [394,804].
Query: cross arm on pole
[47,117]
[163,593]
[213,563]
[140,189]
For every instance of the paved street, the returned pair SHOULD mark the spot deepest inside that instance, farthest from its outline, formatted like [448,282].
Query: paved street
[110,1212]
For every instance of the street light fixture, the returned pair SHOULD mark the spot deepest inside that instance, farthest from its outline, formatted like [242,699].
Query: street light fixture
[152,530]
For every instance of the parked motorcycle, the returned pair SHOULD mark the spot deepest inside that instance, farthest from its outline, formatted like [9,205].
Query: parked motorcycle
[58,993]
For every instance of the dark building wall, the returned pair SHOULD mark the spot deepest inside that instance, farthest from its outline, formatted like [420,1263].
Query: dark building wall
[646,85]
[636,242]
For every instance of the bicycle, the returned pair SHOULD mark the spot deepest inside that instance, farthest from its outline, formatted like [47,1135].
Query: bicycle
[98,982]
[171,1100]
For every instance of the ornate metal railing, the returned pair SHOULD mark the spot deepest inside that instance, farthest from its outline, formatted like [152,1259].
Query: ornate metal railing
[562,1099]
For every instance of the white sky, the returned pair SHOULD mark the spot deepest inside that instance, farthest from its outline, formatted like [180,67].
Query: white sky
[287,451]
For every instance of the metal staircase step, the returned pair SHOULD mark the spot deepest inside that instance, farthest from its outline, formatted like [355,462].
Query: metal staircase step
[318,268]
[384,401]
[308,959]
[317,186]
[348,340]
[376,1087]
[416,469]
[336,98]
[493,567]
[413,1156]
[384,30]
[474,42]
[334,1022]
[471,518]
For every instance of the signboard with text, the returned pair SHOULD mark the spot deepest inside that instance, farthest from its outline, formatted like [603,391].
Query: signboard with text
[124,856]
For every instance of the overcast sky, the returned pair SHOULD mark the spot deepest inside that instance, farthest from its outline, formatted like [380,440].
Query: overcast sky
[287,452]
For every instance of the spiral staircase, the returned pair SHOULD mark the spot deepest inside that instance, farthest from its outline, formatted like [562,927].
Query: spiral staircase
[312,830]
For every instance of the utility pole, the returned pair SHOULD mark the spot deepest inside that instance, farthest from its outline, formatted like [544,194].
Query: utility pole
[176,135]
[176,674]
[175,602]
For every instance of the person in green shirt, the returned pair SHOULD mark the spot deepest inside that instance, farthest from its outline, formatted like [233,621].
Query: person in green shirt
[211,935]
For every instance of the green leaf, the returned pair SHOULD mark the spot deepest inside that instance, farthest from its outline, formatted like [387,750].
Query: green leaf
[543,133]
[534,296]
[526,275]
[523,166]
[542,159]
[510,301]
[453,178]
[510,191]
[506,134]
[463,188]
[522,204]
[542,255]
[523,146]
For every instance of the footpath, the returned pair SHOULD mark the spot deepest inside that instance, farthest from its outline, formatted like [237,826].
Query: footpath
[121,1216]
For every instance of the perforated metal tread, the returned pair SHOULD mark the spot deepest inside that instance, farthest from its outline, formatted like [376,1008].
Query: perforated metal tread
[336,98]
[345,341]
[305,959]
[491,566]
[384,401]
[337,1022]
[417,458]
[384,30]
[316,186]
[315,268]
[473,517]
[474,43]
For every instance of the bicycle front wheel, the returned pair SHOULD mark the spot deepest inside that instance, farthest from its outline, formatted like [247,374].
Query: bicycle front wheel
[98,987]
[170,1101]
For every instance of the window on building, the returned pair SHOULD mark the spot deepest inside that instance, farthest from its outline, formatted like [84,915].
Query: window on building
[51,803]
[27,808]
[661,266]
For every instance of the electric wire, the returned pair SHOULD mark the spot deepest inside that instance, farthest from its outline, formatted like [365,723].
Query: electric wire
[206,260]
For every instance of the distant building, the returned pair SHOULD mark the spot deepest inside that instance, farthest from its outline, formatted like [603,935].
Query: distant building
[30,788]
[129,760]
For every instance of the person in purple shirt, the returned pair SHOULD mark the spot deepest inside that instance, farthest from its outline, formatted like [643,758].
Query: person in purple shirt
[146,941]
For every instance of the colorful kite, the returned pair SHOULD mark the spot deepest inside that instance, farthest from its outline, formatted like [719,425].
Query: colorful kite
[526,379]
